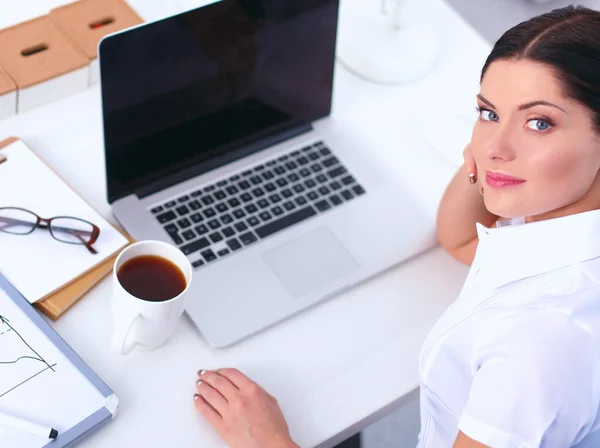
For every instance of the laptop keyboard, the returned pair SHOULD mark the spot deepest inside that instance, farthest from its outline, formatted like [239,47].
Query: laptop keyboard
[224,217]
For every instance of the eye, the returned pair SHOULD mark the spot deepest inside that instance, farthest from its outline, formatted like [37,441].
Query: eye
[538,124]
[488,115]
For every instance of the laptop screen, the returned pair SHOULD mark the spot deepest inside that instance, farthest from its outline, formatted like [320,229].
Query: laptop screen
[185,94]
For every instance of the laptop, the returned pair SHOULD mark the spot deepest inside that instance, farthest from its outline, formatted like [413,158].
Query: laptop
[219,139]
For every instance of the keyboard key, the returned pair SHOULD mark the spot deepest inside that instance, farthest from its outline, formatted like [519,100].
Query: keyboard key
[247,173]
[234,244]
[313,155]
[209,255]
[226,219]
[166,217]
[289,205]
[283,158]
[246,197]
[316,168]
[275,198]
[158,209]
[347,195]
[293,177]
[209,188]
[188,235]
[271,162]
[279,170]
[358,190]
[335,200]
[229,232]
[295,153]
[234,202]
[195,246]
[195,205]
[176,238]
[244,185]
[232,190]
[223,252]
[248,238]
[198,263]
[207,200]
[310,183]
[183,199]
[336,172]
[269,187]
[219,195]
[286,193]
[251,208]
[285,221]
[306,148]
[348,180]
[253,221]
[265,216]
[221,183]
[291,165]
[300,200]
[324,191]
[170,204]
[282,182]
[215,237]
[209,213]
[302,161]
[221,208]
[259,167]
[196,218]
[304,172]
[201,229]
[184,223]
[258,192]
[324,151]
[312,195]
[329,162]
[277,211]
[335,185]
[234,178]
[214,224]
[298,188]
[238,214]
[321,178]
[263,203]
[182,211]
[196,193]
[240,226]
[323,206]
[256,180]
[171,228]
[268,175]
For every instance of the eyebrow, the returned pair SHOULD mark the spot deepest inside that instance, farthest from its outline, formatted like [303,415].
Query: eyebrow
[524,106]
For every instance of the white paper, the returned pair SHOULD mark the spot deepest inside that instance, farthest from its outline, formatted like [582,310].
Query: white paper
[37,264]
[37,382]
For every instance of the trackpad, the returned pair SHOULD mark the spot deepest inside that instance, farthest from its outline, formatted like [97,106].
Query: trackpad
[310,262]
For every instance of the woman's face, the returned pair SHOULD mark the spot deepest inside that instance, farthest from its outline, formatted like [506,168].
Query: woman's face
[527,129]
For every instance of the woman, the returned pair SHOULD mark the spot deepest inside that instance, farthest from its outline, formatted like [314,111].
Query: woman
[515,360]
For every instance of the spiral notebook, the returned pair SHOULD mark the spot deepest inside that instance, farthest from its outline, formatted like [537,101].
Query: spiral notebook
[51,274]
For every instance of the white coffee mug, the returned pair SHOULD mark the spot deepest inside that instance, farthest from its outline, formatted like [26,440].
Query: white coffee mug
[142,323]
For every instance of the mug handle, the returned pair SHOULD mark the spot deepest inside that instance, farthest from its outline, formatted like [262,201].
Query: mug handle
[121,341]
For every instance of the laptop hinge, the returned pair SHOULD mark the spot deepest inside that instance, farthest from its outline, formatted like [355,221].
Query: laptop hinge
[224,159]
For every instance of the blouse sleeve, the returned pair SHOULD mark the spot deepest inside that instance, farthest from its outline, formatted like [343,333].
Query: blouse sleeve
[533,384]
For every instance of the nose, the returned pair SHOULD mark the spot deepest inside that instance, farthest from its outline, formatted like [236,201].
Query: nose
[500,144]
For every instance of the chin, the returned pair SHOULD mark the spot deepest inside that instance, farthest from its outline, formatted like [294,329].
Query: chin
[506,211]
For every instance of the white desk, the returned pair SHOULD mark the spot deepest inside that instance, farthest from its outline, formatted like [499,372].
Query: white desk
[336,367]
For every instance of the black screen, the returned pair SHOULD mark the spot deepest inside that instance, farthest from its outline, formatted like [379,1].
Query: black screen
[187,93]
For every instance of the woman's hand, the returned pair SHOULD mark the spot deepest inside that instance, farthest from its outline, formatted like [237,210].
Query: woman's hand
[243,414]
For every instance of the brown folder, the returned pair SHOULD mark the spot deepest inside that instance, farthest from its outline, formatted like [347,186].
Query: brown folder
[56,304]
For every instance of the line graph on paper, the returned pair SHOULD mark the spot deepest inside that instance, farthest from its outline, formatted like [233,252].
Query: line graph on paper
[19,361]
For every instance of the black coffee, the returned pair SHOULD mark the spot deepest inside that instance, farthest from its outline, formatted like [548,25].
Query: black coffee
[151,278]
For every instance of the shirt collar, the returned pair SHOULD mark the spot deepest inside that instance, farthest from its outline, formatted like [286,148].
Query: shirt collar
[515,250]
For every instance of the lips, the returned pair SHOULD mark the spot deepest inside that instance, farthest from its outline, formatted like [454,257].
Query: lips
[497,180]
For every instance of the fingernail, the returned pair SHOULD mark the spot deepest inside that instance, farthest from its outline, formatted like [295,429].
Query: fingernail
[481,190]
[201,372]
[198,382]
[472,178]
[196,396]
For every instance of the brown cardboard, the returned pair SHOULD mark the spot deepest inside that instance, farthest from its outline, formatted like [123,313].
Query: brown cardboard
[7,85]
[88,21]
[60,56]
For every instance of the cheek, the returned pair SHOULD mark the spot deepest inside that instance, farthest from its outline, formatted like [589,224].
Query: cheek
[565,174]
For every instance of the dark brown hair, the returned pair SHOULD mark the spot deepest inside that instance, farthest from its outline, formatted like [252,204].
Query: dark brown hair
[566,40]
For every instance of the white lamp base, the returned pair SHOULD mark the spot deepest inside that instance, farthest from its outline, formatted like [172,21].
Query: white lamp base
[372,49]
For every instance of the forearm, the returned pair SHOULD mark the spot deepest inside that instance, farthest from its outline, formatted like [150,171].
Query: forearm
[461,207]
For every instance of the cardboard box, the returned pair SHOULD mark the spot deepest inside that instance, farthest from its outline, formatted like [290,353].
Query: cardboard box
[8,96]
[43,62]
[88,21]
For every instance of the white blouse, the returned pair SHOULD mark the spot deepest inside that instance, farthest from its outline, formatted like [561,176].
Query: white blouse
[515,361]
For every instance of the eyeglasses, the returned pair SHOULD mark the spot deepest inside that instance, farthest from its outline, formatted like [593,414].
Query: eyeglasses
[65,229]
